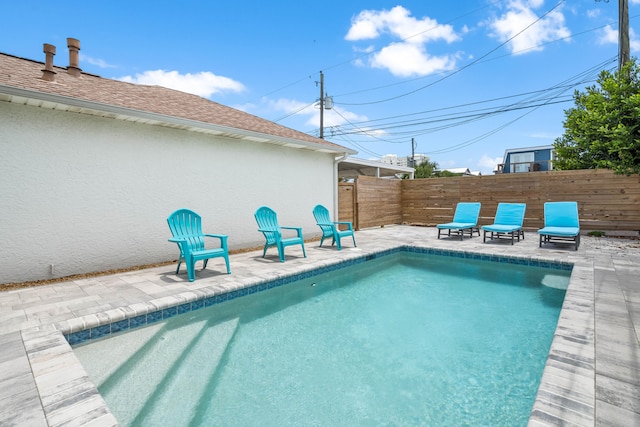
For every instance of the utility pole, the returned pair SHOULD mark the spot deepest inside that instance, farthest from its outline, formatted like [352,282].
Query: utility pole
[321,105]
[326,103]
[623,33]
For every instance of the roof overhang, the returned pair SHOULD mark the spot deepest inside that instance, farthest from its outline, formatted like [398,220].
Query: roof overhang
[81,106]
[352,167]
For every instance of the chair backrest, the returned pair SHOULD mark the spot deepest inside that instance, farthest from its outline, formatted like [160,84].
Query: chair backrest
[510,214]
[268,223]
[561,214]
[187,224]
[467,212]
[321,214]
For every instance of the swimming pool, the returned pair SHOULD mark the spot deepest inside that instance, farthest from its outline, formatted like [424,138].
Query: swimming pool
[404,339]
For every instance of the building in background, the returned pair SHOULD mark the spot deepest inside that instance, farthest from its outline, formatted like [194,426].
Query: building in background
[527,159]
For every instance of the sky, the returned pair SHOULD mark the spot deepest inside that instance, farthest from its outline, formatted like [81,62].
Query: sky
[460,82]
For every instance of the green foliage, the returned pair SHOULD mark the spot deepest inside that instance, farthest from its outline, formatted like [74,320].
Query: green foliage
[445,174]
[603,129]
[425,169]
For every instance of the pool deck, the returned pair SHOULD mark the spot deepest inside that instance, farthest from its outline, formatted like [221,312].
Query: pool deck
[591,378]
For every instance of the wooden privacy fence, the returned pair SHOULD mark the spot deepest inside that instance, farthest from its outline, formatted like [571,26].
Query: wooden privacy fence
[606,201]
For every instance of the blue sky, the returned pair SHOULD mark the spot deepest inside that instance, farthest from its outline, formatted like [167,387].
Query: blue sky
[466,79]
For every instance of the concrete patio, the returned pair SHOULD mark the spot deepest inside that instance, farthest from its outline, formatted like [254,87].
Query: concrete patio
[592,375]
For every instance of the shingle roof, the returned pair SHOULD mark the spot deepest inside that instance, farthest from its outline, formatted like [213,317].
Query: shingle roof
[96,95]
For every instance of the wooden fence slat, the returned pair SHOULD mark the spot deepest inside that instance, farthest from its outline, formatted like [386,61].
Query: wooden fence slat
[606,201]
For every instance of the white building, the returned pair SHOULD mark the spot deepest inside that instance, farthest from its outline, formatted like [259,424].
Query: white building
[391,159]
[405,161]
[92,167]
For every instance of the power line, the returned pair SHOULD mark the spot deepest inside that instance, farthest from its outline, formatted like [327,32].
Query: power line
[546,96]
[350,60]
[453,73]
[537,100]
[572,36]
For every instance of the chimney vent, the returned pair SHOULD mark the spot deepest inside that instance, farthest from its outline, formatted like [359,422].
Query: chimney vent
[48,74]
[74,48]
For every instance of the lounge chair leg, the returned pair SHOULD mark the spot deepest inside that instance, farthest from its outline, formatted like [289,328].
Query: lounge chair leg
[226,260]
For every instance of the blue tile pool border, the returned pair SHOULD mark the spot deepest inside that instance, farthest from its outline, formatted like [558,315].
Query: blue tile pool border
[104,330]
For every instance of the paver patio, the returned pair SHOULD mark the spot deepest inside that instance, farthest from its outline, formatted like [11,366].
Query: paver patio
[592,375]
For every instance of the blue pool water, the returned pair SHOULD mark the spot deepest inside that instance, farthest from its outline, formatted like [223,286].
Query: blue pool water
[406,339]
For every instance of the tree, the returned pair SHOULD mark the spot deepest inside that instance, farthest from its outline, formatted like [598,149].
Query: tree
[425,169]
[445,174]
[603,129]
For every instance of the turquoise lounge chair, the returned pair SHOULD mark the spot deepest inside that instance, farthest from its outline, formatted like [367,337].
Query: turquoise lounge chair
[268,225]
[508,222]
[186,228]
[464,218]
[561,223]
[332,228]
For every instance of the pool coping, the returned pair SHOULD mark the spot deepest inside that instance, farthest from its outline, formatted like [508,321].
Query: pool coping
[127,318]
[67,392]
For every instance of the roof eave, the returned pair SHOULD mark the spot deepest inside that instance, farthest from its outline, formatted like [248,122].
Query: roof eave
[83,106]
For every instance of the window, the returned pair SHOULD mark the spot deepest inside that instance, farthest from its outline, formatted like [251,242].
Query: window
[521,162]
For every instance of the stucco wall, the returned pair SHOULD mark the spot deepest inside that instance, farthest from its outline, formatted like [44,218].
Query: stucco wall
[90,194]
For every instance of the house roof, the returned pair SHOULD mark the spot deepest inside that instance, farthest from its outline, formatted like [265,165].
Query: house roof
[21,82]
[464,171]
[353,167]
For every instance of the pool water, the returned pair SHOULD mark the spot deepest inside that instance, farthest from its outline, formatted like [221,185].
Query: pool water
[405,339]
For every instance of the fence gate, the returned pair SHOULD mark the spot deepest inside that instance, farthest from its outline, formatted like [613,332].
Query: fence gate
[347,203]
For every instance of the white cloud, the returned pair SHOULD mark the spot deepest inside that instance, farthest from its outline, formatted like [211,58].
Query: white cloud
[308,114]
[594,13]
[408,59]
[487,164]
[202,84]
[408,55]
[336,117]
[609,35]
[93,61]
[512,27]
[634,42]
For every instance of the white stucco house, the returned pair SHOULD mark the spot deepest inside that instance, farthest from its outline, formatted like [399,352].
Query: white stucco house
[91,168]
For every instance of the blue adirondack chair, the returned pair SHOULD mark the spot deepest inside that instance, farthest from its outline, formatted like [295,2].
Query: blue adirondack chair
[561,223]
[186,228]
[508,222]
[464,218]
[332,228]
[268,225]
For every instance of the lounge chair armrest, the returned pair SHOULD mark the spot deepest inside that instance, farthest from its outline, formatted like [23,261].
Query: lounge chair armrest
[217,236]
[326,223]
[268,230]
[297,229]
[347,223]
